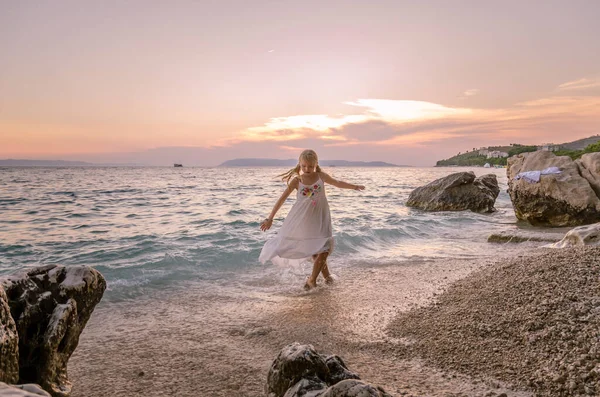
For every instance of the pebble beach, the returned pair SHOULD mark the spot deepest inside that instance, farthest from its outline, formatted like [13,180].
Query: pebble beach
[523,325]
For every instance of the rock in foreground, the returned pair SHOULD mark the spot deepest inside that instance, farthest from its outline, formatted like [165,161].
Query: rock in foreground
[580,236]
[51,305]
[457,192]
[299,371]
[28,390]
[9,343]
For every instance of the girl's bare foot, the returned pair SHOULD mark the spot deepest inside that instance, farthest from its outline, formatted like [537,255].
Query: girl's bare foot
[329,280]
[310,284]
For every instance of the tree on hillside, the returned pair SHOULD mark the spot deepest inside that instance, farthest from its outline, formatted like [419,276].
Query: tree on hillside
[521,149]
[594,147]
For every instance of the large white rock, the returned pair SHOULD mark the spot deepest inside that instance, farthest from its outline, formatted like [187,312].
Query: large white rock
[565,199]
[589,167]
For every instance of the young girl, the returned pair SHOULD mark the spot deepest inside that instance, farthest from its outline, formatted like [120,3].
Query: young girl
[306,231]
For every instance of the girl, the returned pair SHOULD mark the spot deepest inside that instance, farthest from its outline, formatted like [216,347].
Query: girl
[306,231]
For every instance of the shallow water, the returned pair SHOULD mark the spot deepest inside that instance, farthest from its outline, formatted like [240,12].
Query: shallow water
[147,229]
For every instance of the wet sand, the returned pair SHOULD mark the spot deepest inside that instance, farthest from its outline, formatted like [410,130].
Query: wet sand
[222,342]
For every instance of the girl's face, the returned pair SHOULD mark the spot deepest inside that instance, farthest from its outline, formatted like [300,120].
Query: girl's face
[307,167]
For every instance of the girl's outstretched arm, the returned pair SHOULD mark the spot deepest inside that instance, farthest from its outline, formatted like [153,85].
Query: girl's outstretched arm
[268,222]
[341,184]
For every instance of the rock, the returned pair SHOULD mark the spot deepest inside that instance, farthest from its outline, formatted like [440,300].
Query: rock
[51,305]
[354,388]
[565,199]
[457,192]
[299,371]
[589,168]
[311,387]
[580,236]
[520,236]
[294,363]
[338,371]
[27,390]
[489,181]
[9,343]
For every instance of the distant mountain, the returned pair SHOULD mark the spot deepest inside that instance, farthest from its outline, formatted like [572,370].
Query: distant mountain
[43,163]
[291,162]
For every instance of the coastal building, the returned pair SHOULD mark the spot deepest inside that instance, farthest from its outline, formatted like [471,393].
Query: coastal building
[548,147]
[483,151]
[496,154]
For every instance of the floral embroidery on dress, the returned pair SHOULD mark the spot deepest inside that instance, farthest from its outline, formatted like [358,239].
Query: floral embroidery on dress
[310,191]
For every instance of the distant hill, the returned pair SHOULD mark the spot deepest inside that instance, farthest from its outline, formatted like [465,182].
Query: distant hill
[291,162]
[473,158]
[43,163]
[580,144]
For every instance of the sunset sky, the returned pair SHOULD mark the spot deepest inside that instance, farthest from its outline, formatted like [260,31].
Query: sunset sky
[201,82]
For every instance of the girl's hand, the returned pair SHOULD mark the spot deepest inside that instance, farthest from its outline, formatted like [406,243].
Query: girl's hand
[359,187]
[266,224]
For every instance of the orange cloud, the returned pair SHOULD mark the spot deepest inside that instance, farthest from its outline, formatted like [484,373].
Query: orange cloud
[369,122]
[400,122]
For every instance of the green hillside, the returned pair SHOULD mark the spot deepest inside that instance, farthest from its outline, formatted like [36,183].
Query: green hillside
[473,158]
[573,149]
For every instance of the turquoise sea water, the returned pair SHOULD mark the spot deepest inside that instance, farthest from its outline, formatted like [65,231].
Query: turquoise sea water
[152,228]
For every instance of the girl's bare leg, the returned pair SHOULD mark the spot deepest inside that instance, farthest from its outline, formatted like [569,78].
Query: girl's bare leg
[324,271]
[319,263]
[326,274]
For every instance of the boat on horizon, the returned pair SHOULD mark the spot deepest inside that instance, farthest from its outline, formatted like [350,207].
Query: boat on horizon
[177,165]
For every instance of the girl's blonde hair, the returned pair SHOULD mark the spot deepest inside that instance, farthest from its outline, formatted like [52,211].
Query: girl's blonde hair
[308,155]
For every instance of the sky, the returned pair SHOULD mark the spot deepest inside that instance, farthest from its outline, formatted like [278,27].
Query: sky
[201,82]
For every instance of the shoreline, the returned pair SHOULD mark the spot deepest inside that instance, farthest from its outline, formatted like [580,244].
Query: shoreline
[222,343]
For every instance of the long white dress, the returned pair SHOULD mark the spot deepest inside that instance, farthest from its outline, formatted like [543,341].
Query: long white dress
[305,231]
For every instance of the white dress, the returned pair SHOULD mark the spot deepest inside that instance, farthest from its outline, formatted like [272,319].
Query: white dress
[305,231]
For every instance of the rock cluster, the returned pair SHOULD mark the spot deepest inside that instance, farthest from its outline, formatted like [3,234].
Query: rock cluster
[570,198]
[532,322]
[49,307]
[457,192]
[299,371]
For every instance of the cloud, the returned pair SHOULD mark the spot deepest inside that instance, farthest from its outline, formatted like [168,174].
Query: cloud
[581,84]
[469,93]
[379,114]
[285,129]
[401,123]
[401,111]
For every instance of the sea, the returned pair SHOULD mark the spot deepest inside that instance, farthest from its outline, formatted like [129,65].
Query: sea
[151,229]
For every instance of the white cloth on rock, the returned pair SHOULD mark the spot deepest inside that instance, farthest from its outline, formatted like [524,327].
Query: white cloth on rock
[534,176]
